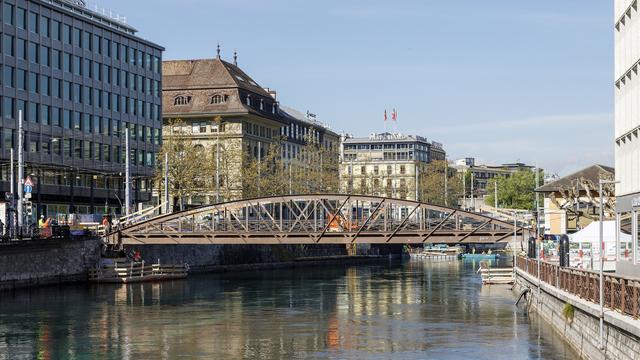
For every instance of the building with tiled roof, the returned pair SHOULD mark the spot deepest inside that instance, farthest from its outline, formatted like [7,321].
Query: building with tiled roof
[197,92]
[571,202]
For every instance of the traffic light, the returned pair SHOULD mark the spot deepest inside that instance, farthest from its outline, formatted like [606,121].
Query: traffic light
[28,208]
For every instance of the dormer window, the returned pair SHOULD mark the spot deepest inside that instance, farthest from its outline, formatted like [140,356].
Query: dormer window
[219,99]
[249,100]
[261,104]
[182,100]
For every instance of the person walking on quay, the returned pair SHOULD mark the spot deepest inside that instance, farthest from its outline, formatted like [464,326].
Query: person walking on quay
[41,222]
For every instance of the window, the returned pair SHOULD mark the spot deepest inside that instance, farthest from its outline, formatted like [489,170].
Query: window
[55,30]
[96,124]
[248,100]
[44,114]
[21,16]
[261,104]
[375,170]
[182,100]
[44,26]
[7,76]
[44,55]
[33,52]
[77,65]
[402,169]
[67,147]
[7,45]
[86,123]
[87,150]
[87,68]
[33,115]
[67,91]
[7,11]
[33,22]
[55,88]
[7,138]
[33,145]
[21,77]
[55,59]
[66,34]
[86,40]
[363,170]
[44,85]
[66,119]
[77,120]
[55,116]
[77,37]
[33,82]
[66,57]
[156,64]
[8,108]
[21,48]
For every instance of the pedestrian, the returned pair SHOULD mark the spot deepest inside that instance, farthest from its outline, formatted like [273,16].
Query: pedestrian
[106,224]
[41,222]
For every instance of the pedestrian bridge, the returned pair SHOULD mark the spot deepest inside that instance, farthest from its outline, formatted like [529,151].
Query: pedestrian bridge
[318,219]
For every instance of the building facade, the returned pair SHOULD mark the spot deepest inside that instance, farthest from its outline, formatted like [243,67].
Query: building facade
[386,164]
[571,202]
[627,117]
[80,79]
[199,93]
[477,177]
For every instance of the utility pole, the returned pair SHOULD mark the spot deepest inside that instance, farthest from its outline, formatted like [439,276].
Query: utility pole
[166,183]
[446,177]
[495,194]
[602,248]
[218,120]
[464,190]
[20,174]
[538,232]
[417,184]
[12,225]
[127,175]
[473,201]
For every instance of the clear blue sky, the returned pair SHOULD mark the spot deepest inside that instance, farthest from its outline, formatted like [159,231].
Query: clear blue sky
[498,80]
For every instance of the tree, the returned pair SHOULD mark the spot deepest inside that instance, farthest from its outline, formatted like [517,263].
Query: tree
[432,187]
[516,191]
[186,161]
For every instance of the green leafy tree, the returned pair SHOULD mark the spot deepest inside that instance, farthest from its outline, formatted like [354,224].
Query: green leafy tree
[515,191]
[432,184]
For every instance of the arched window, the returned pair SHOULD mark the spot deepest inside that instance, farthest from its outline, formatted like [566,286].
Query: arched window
[182,100]
[218,99]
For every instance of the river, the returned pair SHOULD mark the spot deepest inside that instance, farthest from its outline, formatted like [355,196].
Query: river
[408,310]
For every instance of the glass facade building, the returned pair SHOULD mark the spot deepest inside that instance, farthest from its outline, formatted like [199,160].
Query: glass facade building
[81,80]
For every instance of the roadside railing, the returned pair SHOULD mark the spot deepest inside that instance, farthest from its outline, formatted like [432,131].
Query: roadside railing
[620,293]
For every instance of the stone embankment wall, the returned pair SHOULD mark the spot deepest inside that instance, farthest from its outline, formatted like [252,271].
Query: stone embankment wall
[202,258]
[43,262]
[621,333]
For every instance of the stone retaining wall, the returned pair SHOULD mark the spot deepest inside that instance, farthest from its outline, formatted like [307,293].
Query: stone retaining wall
[43,262]
[621,333]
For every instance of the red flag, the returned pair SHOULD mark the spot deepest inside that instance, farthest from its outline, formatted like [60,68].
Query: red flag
[385,114]
[394,115]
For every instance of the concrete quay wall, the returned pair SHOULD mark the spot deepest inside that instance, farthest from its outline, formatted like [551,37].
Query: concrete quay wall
[44,262]
[621,332]
[47,262]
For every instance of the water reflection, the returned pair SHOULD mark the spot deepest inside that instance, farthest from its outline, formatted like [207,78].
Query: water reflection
[413,310]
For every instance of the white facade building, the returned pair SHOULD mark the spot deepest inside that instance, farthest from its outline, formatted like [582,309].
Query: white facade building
[627,116]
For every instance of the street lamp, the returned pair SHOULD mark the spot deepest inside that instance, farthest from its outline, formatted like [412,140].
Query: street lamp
[600,183]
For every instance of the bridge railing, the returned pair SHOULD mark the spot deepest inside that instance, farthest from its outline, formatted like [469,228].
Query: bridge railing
[621,293]
[195,225]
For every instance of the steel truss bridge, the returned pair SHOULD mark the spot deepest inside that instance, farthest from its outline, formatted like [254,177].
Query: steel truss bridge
[318,219]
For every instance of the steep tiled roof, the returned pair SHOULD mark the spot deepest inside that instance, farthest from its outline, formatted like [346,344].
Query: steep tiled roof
[206,74]
[591,173]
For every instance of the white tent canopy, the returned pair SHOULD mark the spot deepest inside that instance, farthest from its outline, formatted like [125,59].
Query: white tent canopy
[591,233]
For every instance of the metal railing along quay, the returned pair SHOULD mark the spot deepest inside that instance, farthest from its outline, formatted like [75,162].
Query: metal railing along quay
[621,294]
